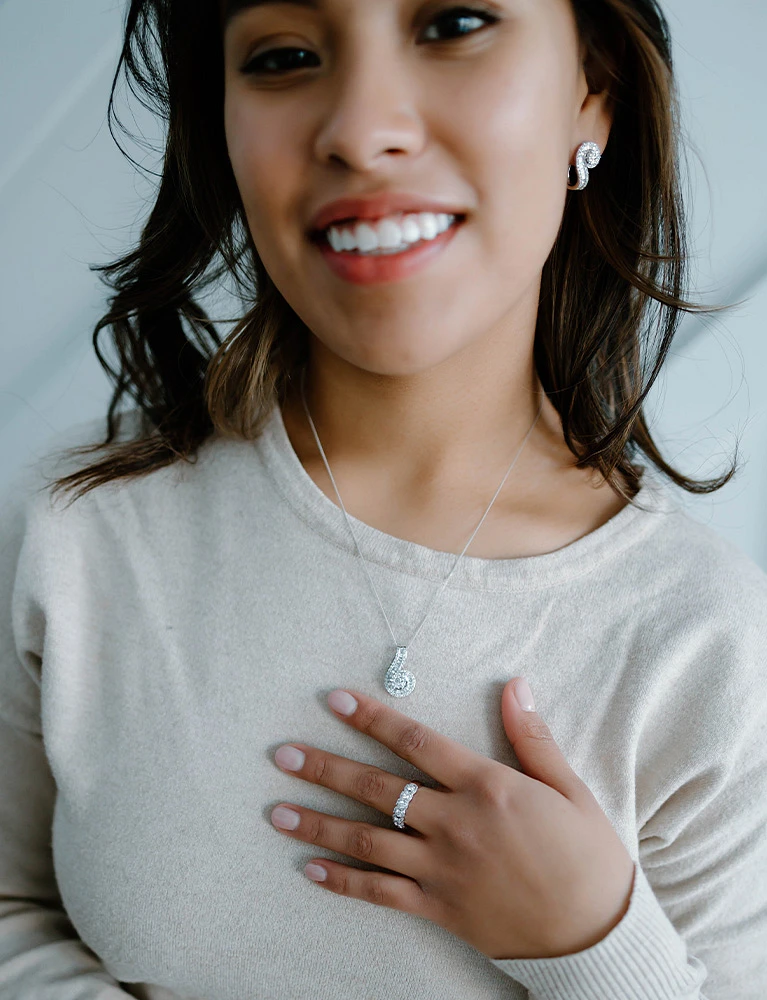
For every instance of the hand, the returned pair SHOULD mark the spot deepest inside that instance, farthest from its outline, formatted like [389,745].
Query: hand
[519,865]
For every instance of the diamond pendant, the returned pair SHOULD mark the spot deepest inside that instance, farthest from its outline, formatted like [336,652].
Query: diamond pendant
[398,681]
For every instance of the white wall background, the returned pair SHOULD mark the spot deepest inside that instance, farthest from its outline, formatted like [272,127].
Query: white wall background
[68,198]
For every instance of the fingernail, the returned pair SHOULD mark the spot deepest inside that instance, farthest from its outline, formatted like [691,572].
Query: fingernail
[342,702]
[284,818]
[290,757]
[316,872]
[524,695]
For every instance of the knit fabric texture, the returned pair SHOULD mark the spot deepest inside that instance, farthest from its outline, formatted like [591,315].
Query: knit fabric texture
[162,636]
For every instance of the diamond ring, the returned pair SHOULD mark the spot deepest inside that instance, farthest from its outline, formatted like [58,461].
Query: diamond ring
[407,793]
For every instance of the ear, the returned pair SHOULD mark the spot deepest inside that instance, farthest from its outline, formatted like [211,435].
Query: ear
[594,118]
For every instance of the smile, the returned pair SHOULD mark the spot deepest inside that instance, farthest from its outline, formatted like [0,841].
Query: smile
[391,234]
[389,250]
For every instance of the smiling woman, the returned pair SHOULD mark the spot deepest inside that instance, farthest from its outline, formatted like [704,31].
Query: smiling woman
[458,238]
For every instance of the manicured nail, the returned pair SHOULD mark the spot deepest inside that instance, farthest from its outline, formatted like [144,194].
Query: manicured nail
[524,695]
[316,872]
[284,818]
[342,702]
[290,758]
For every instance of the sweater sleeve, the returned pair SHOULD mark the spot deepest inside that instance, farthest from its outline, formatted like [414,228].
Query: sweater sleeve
[41,956]
[696,925]
[642,958]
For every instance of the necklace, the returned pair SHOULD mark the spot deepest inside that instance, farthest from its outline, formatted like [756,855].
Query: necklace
[398,681]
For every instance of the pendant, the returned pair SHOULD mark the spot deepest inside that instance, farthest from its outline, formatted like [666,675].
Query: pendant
[398,681]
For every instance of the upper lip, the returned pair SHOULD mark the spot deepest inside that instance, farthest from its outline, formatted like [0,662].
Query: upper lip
[377,205]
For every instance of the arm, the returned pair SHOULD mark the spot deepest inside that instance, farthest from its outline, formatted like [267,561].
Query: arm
[642,958]
[41,957]
[696,927]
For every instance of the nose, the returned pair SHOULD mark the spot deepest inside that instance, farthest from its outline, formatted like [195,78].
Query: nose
[371,112]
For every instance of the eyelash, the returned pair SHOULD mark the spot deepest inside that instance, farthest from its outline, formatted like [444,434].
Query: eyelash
[455,13]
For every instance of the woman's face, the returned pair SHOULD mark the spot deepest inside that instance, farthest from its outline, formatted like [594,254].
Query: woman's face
[479,106]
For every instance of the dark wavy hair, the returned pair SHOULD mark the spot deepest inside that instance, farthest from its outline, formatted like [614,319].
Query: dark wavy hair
[611,291]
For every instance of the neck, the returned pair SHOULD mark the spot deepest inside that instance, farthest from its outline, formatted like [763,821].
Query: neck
[435,427]
[420,457]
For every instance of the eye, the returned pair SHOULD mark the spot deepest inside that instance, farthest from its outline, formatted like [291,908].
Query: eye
[468,20]
[276,61]
[462,16]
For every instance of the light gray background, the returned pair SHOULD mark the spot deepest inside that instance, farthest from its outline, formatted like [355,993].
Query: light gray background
[68,198]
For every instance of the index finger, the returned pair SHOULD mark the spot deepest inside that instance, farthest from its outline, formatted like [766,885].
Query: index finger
[451,763]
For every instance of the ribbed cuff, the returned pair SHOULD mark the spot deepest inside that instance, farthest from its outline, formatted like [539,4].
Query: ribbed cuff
[642,958]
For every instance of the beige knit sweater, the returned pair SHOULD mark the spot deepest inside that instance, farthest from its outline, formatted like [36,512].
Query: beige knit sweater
[160,638]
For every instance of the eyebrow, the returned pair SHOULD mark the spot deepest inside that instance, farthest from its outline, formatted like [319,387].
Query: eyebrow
[234,7]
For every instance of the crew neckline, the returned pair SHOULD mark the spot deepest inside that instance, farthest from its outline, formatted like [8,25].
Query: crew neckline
[325,518]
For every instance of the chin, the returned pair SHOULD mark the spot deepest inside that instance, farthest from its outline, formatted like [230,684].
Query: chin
[385,362]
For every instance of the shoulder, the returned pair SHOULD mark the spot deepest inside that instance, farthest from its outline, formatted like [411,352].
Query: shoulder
[699,628]
[34,488]
[58,456]
[689,568]
[152,515]
[48,534]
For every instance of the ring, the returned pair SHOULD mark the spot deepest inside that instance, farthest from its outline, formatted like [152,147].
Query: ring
[398,813]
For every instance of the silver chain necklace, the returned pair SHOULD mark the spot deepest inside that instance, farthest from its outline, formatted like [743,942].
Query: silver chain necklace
[398,681]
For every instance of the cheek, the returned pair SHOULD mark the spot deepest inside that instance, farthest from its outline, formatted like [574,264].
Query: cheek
[238,136]
[262,161]
[516,133]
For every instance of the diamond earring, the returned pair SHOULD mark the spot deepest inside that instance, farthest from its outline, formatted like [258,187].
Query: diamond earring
[587,157]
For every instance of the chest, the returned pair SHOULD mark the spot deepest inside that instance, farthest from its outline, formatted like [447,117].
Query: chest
[161,728]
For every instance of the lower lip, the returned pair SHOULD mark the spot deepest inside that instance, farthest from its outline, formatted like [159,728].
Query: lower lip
[374,269]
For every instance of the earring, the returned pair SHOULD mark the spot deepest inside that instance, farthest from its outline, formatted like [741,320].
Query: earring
[587,157]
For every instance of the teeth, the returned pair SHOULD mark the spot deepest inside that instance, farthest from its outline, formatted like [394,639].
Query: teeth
[411,231]
[389,234]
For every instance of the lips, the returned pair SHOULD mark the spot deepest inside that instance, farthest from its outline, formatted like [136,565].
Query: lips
[376,207]
[374,269]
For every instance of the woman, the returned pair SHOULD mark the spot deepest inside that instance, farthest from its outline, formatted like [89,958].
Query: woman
[411,494]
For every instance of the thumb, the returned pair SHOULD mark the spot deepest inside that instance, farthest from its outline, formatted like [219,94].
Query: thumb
[532,741]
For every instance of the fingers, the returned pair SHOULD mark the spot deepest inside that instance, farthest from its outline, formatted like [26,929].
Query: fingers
[365,783]
[451,763]
[393,849]
[374,887]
